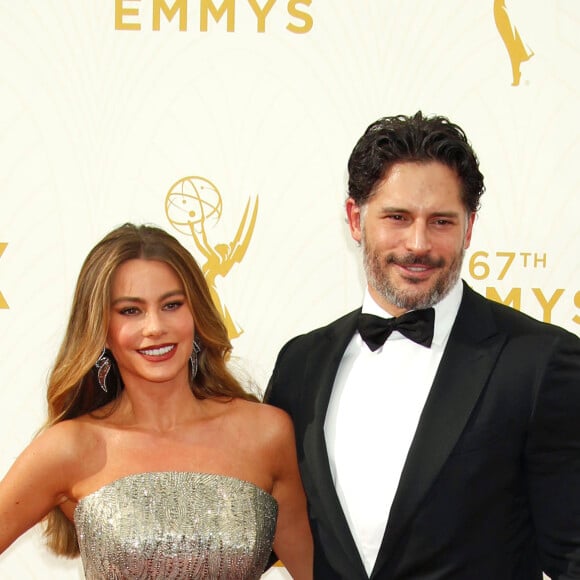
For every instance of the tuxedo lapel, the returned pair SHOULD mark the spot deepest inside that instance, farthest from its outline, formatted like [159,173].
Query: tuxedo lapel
[468,360]
[321,367]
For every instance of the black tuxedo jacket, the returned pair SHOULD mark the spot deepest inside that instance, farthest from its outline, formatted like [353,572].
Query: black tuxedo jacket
[491,485]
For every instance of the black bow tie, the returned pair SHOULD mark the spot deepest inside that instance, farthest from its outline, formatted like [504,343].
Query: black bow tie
[416,325]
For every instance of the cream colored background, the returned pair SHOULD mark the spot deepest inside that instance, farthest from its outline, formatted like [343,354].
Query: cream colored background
[96,124]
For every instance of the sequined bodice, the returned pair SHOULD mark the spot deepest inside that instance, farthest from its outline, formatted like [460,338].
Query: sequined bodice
[176,526]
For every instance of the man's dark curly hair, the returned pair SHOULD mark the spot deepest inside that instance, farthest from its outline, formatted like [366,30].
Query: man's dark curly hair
[418,138]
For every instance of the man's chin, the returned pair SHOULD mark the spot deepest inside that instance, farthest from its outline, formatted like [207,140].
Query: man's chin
[416,301]
[412,295]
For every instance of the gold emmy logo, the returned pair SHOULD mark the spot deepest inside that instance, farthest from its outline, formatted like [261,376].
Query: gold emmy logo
[189,205]
[3,303]
[517,50]
[129,16]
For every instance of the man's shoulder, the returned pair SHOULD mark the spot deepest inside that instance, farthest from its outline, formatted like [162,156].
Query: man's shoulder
[305,354]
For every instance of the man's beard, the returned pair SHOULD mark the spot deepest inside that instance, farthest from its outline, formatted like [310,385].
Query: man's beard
[378,277]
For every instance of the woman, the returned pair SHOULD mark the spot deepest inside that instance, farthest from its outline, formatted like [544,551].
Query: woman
[154,462]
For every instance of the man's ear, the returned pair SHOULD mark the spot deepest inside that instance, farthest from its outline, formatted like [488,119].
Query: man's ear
[353,216]
[469,230]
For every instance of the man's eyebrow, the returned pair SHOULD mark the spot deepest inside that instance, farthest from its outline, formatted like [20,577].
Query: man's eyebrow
[446,213]
[393,209]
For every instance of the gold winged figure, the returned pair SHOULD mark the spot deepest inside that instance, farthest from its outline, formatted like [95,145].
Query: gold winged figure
[189,205]
[518,52]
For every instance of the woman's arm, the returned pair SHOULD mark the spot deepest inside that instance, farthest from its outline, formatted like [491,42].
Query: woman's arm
[38,481]
[293,540]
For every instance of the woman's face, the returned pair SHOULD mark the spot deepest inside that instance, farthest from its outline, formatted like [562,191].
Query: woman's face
[151,326]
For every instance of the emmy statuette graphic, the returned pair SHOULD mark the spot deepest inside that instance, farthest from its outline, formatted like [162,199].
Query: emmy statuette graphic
[191,203]
[517,50]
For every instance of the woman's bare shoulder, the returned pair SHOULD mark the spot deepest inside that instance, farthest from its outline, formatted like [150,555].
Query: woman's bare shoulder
[72,439]
[261,411]
[53,460]
[266,421]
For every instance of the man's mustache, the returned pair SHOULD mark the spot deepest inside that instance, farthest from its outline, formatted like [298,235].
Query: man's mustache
[413,260]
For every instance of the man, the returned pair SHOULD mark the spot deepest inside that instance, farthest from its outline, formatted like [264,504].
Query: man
[454,457]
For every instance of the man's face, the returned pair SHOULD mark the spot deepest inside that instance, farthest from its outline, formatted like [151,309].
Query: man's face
[414,231]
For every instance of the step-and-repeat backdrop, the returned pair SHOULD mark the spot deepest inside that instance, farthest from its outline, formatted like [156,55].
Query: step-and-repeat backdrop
[141,110]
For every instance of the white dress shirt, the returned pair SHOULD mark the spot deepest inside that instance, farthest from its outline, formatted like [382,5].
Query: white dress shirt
[372,416]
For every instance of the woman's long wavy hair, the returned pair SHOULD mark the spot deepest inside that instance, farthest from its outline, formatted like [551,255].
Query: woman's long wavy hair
[73,388]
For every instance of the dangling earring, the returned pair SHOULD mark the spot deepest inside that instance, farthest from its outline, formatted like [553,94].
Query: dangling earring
[103,365]
[193,358]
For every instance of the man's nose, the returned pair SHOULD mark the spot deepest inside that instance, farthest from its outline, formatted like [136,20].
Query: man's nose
[418,239]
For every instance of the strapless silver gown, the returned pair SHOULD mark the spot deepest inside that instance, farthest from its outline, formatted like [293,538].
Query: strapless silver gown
[176,526]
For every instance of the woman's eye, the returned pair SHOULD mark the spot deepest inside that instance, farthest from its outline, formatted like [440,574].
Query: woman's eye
[129,311]
[172,305]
